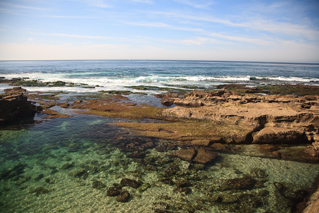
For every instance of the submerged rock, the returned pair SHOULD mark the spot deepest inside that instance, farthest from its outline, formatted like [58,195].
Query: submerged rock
[129,182]
[40,190]
[144,187]
[229,198]
[185,190]
[123,196]
[204,156]
[238,184]
[22,180]
[98,184]
[39,177]
[15,171]
[258,173]
[80,174]
[172,170]
[200,155]
[136,155]
[186,154]
[68,165]
[113,191]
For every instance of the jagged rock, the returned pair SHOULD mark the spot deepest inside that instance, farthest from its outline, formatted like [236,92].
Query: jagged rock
[14,106]
[316,145]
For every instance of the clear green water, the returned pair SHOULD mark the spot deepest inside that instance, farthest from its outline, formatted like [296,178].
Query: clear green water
[53,167]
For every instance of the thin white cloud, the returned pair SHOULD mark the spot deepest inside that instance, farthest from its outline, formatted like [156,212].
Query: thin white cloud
[196,41]
[196,4]
[144,1]
[164,25]
[68,17]
[98,3]
[256,41]
[79,36]
[259,24]
[10,6]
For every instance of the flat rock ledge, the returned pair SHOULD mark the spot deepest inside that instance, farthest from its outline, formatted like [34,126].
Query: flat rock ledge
[14,106]
[270,119]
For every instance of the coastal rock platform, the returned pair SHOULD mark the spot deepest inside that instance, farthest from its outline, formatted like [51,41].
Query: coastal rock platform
[272,119]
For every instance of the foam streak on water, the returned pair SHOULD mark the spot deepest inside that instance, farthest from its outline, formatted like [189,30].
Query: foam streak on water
[118,74]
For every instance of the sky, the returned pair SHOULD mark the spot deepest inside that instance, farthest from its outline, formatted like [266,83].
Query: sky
[237,30]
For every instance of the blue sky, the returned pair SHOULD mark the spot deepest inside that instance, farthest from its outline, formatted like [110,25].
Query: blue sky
[252,30]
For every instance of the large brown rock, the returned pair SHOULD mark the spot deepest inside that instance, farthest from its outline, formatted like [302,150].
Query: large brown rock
[14,106]
[279,135]
[185,154]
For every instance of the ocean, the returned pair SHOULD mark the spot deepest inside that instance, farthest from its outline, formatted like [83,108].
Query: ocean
[122,74]
[71,164]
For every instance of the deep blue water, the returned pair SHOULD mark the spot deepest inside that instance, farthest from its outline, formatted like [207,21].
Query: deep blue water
[118,74]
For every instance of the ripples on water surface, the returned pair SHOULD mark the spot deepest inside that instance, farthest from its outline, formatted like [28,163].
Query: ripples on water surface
[121,74]
[67,165]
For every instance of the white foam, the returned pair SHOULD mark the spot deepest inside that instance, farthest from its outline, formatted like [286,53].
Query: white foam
[121,83]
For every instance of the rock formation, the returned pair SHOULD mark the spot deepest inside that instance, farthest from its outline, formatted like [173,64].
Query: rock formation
[14,106]
[271,118]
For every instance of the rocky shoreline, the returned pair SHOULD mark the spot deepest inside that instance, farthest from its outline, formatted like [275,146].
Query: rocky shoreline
[201,124]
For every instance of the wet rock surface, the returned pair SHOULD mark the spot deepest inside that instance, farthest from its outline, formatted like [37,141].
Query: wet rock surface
[129,182]
[201,155]
[123,196]
[238,184]
[14,106]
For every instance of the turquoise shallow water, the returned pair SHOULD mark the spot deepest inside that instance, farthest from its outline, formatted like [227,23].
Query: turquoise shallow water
[68,165]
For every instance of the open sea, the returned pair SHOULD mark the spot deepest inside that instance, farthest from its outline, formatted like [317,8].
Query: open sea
[120,74]
[69,164]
